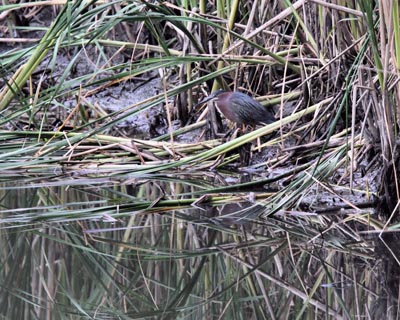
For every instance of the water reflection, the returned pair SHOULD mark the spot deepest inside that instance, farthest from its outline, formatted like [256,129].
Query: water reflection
[108,247]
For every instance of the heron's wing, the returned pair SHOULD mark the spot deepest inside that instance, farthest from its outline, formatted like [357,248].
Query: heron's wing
[251,110]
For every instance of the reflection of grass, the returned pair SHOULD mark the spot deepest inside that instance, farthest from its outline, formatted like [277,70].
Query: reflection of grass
[103,226]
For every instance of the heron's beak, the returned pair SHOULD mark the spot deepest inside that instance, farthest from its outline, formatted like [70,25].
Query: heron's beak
[209,98]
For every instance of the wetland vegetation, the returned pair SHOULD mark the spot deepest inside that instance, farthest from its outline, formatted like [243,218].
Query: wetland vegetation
[120,200]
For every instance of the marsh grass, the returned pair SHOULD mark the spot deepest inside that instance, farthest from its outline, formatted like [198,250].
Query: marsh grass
[99,224]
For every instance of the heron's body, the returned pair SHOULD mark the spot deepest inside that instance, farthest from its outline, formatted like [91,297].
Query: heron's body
[241,108]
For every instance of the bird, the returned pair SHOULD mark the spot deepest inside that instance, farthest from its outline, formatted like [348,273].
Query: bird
[240,108]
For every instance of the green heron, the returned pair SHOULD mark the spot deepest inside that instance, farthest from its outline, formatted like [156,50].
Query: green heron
[240,108]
